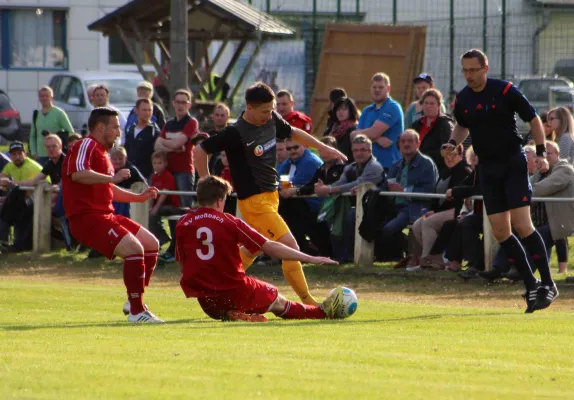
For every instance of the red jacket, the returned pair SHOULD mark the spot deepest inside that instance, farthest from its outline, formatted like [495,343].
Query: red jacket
[299,120]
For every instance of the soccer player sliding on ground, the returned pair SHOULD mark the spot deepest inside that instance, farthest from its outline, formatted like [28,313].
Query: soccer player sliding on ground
[250,148]
[88,188]
[208,252]
[486,108]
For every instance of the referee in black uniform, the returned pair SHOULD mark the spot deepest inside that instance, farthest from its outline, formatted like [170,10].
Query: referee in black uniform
[486,109]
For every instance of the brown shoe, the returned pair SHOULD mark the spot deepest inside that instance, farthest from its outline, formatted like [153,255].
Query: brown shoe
[433,262]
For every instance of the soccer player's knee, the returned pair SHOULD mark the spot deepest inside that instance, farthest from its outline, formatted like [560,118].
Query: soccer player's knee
[524,228]
[278,305]
[133,246]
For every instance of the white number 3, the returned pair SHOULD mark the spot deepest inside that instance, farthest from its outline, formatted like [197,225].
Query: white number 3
[208,241]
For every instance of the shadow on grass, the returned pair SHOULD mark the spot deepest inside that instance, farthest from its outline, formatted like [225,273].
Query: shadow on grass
[213,324]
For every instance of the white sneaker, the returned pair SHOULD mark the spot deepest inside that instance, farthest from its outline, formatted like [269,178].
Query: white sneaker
[126,308]
[145,317]
[413,268]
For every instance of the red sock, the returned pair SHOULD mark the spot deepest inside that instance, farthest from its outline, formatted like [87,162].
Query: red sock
[134,277]
[294,310]
[150,261]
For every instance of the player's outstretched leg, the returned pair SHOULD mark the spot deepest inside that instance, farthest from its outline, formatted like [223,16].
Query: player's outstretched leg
[287,309]
[132,251]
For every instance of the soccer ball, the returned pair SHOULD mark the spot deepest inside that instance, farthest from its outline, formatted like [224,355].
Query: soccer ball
[350,303]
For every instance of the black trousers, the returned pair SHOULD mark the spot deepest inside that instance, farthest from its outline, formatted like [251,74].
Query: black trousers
[302,221]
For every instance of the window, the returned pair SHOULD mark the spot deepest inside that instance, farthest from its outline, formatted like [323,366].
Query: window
[118,53]
[33,38]
[60,90]
[75,95]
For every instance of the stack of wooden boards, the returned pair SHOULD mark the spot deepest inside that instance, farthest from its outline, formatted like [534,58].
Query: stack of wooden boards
[352,54]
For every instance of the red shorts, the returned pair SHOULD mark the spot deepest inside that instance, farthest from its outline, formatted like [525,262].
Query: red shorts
[255,297]
[102,232]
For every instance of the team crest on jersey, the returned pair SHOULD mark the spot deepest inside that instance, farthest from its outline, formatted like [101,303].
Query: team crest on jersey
[261,149]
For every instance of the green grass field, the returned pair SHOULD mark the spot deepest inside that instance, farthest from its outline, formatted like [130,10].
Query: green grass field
[62,335]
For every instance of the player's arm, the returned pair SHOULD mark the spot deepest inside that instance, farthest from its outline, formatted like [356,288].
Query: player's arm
[279,250]
[201,160]
[302,137]
[125,196]
[159,145]
[214,145]
[527,113]
[89,177]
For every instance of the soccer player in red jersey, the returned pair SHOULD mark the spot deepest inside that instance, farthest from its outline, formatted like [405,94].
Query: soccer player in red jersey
[208,252]
[88,188]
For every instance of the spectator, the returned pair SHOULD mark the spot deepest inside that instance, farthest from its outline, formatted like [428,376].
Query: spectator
[120,161]
[48,119]
[562,123]
[434,127]
[102,99]
[559,183]
[364,169]
[347,117]
[164,205]
[91,89]
[282,154]
[53,167]
[175,140]
[145,91]
[415,173]
[141,136]
[18,209]
[296,119]
[301,214]
[328,173]
[382,122]
[334,96]
[426,229]
[220,118]
[422,83]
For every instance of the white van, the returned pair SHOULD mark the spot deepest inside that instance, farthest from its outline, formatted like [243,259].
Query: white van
[70,92]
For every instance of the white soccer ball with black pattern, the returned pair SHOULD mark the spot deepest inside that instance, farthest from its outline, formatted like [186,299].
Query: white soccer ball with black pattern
[350,303]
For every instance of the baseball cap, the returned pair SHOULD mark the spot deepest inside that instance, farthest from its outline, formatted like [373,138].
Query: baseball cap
[145,84]
[17,145]
[424,77]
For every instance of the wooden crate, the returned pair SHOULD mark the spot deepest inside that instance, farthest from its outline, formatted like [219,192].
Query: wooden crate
[352,54]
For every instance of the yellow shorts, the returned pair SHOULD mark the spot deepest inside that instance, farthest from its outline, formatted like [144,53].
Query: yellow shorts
[261,212]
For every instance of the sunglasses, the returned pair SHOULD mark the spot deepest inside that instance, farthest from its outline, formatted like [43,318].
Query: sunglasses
[292,148]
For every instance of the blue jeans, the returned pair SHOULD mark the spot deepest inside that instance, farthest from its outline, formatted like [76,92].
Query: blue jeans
[185,182]
[397,224]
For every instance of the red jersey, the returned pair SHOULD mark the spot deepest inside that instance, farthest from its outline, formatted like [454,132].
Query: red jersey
[79,198]
[166,181]
[299,120]
[208,244]
[226,174]
[180,161]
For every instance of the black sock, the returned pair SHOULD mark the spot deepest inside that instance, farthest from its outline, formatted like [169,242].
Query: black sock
[514,250]
[534,245]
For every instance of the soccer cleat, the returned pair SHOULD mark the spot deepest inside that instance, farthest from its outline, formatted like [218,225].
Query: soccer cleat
[530,297]
[126,308]
[333,304]
[239,316]
[146,317]
[545,296]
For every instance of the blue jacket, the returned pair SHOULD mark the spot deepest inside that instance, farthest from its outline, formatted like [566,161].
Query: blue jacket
[306,166]
[422,177]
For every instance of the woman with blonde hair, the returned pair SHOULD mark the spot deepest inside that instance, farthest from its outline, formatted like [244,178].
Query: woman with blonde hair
[562,123]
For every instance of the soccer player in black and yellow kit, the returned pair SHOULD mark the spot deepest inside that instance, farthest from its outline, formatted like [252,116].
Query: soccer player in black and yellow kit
[250,148]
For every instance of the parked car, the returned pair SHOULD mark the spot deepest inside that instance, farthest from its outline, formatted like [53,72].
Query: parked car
[10,126]
[70,92]
[536,88]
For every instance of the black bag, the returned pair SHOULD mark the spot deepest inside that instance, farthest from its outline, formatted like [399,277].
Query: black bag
[376,209]
[14,206]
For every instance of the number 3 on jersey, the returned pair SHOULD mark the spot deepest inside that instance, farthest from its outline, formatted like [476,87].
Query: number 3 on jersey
[207,241]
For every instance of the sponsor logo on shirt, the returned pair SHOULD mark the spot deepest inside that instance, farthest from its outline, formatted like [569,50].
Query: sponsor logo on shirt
[261,149]
[387,116]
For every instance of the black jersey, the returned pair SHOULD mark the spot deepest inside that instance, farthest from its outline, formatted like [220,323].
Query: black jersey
[490,117]
[251,153]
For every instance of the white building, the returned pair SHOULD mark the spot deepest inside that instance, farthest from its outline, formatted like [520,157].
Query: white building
[39,38]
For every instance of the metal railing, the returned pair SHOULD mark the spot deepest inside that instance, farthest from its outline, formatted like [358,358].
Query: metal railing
[363,251]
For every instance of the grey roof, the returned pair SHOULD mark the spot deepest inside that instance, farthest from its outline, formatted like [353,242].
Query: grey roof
[236,19]
[557,2]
